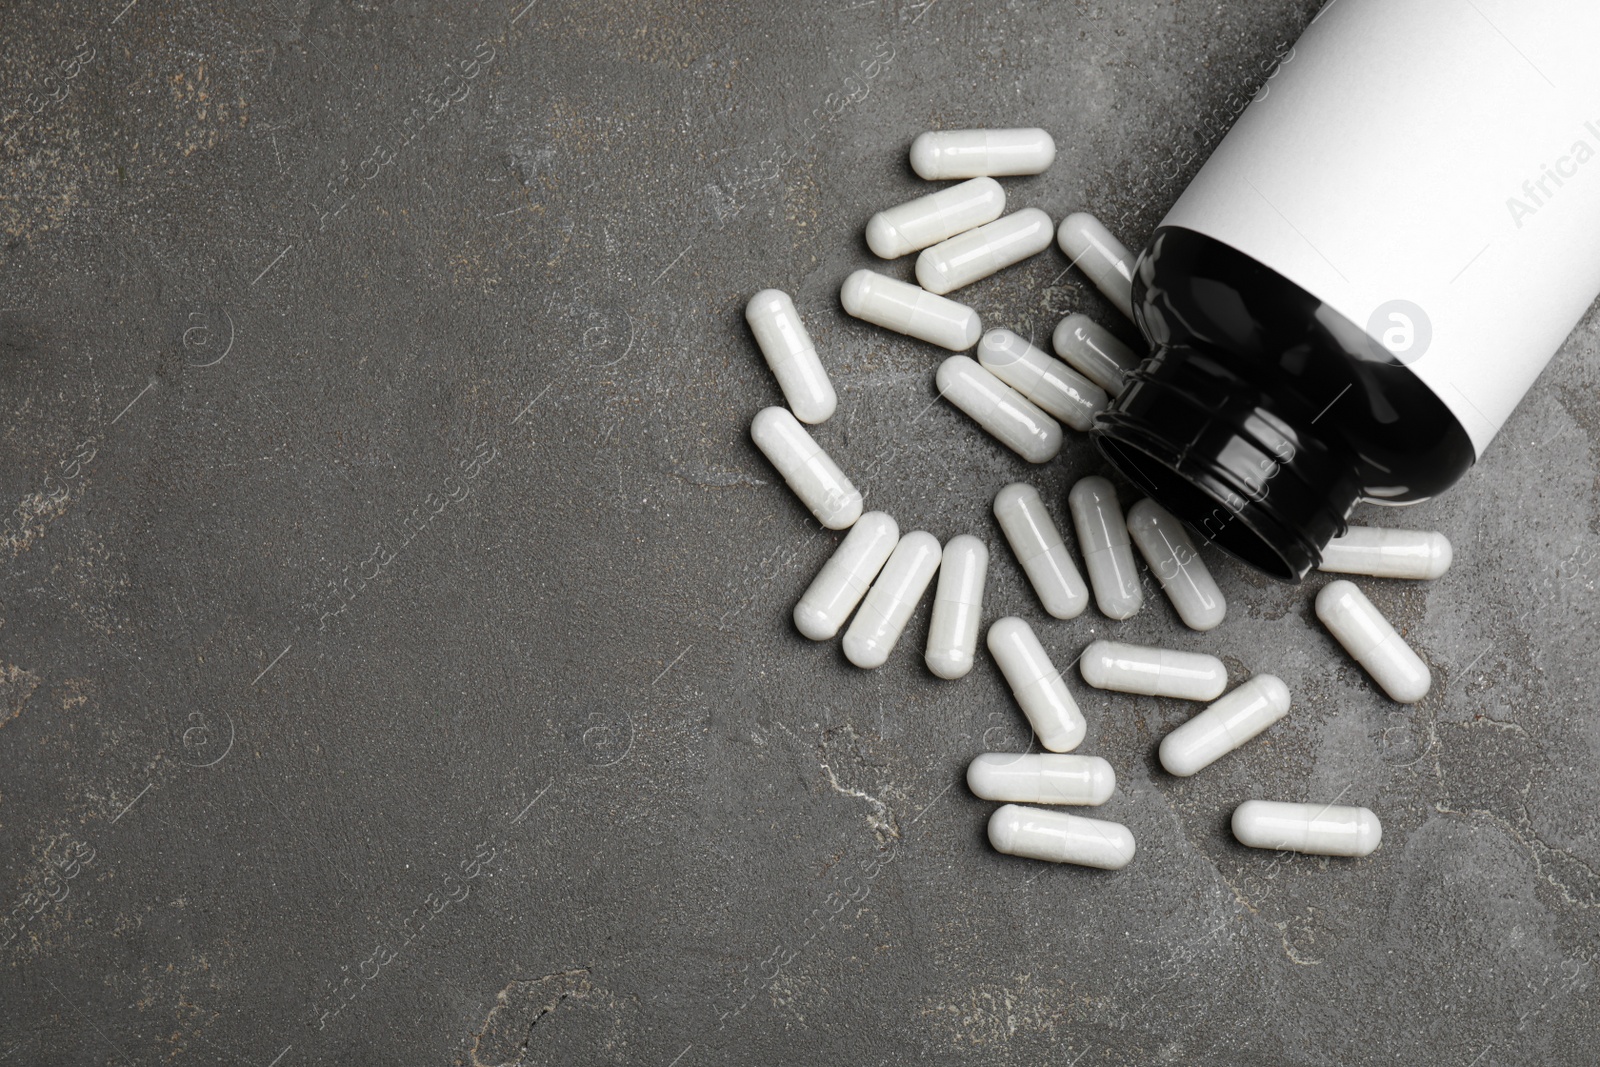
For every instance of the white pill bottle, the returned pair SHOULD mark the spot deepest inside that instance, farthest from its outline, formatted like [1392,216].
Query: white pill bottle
[1369,272]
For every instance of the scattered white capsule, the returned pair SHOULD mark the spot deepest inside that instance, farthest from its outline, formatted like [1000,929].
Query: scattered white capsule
[1166,547]
[1060,837]
[841,583]
[791,355]
[1321,829]
[1103,537]
[940,154]
[957,607]
[967,257]
[1225,725]
[927,220]
[1153,672]
[1040,550]
[1036,684]
[1372,642]
[893,597]
[904,308]
[1106,261]
[815,478]
[1041,778]
[1386,553]
[1094,351]
[1008,415]
[1061,392]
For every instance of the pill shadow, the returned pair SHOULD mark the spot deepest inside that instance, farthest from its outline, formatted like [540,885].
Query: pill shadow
[1223,825]
[1158,775]
[978,828]
[909,173]
[19,335]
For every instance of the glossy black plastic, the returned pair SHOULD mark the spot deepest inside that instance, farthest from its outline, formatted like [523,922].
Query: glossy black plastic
[1262,415]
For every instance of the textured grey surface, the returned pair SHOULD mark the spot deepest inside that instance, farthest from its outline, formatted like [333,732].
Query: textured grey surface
[395,648]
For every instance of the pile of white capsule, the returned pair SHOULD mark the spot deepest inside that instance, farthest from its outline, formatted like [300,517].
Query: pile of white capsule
[1023,396]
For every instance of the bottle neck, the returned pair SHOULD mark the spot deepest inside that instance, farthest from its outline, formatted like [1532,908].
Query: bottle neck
[1217,451]
[1263,415]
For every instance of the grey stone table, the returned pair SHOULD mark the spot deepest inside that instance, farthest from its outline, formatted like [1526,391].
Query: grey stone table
[396,657]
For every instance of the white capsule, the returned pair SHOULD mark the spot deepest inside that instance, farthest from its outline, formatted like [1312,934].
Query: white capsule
[941,154]
[1225,725]
[1094,351]
[904,308]
[927,220]
[1009,416]
[1321,829]
[893,597]
[1040,550]
[1153,672]
[1058,390]
[1166,547]
[1041,778]
[957,607]
[793,358]
[1103,537]
[1386,553]
[1060,837]
[978,253]
[1106,261]
[1372,642]
[839,586]
[1036,684]
[815,478]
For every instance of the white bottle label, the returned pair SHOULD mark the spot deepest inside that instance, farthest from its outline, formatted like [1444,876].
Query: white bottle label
[1430,169]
